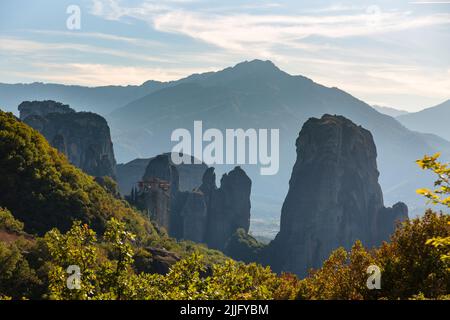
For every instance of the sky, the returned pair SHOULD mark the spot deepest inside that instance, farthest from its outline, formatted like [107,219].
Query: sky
[393,53]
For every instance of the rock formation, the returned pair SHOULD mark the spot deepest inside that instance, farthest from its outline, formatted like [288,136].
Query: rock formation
[42,108]
[161,168]
[128,173]
[207,214]
[334,197]
[158,190]
[228,206]
[83,137]
[194,215]
[160,260]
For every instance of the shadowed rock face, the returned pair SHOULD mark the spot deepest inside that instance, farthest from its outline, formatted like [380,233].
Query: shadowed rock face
[207,214]
[83,137]
[194,215]
[334,197]
[208,186]
[131,172]
[182,214]
[228,206]
[158,190]
[160,261]
[42,108]
[160,167]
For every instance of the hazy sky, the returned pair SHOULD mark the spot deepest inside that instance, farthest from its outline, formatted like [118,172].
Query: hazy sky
[394,53]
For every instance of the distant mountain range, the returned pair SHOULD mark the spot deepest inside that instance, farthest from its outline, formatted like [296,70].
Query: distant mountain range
[433,120]
[101,100]
[257,94]
[253,94]
[393,112]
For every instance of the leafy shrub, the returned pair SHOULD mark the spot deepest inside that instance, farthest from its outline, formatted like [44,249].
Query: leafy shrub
[44,190]
[8,223]
[243,247]
[111,276]
[17,279]
[409,267]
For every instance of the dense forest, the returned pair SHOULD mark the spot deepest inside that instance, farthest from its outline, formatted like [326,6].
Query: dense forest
[55,217]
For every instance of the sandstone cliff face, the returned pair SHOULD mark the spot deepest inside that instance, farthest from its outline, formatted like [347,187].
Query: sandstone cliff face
[207,214]
[82,136]
[334,197]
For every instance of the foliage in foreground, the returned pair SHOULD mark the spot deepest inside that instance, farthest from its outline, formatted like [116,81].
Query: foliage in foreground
[8,223]
[43,190]
[410,269]
[107,271]
[440,195]
[110,238]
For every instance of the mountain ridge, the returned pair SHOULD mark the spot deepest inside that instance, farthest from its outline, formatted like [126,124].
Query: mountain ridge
[429,120]
[334,197]
[393,112]
[239,97]
[258,94]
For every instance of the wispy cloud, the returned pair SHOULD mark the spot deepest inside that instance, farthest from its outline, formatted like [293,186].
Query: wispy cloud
[89,74]
[337,8]
[100,36]
[113,10]
[239,31]
[20,46]
[260,35]
[430,2]
[392,51]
